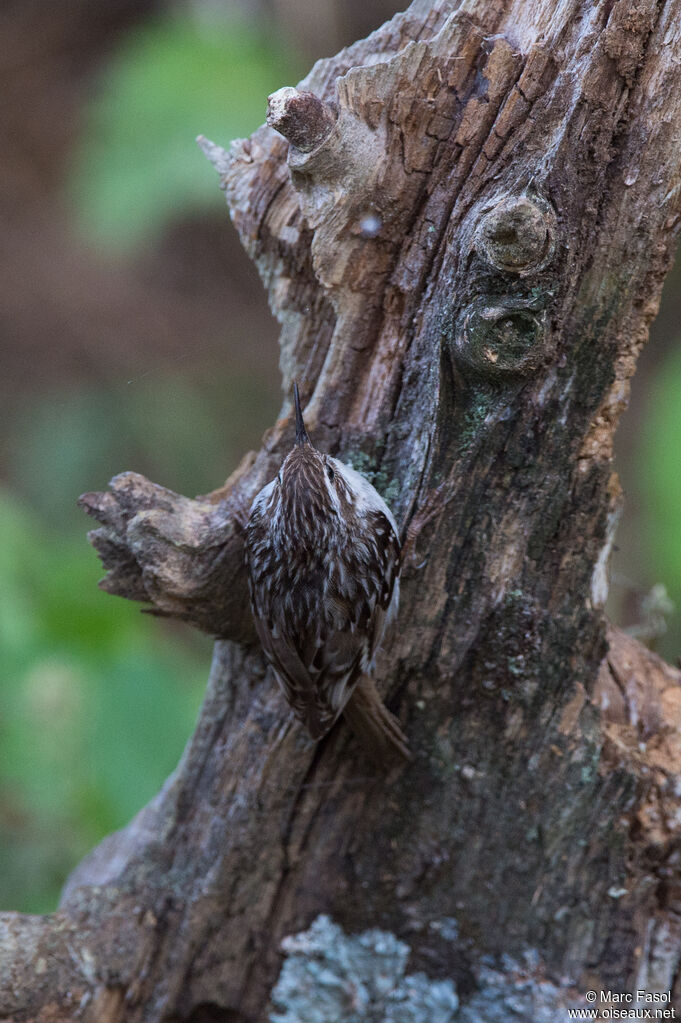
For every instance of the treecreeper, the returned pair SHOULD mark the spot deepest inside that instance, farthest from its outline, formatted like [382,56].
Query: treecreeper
[323,556]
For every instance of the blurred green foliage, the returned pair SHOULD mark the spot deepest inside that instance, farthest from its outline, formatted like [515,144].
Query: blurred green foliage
[97,700]
[185,430]
[193,71]
[96,703]
[658,467]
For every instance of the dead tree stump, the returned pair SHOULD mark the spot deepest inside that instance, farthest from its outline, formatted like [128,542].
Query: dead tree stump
[463,223]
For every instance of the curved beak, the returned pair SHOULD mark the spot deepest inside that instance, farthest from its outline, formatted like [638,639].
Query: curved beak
[301,432]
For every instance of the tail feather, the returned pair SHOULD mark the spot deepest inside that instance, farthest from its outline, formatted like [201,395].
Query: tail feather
[376,728]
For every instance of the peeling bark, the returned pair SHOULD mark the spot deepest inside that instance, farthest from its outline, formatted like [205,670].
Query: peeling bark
[464,239]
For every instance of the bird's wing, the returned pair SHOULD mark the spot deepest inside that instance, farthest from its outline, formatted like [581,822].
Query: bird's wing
[294,678]
[358,607]
[388,557]
[320,646]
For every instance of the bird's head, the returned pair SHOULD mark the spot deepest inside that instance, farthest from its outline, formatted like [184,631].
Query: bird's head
[311,486]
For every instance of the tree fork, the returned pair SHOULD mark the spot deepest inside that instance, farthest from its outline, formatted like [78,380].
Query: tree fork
[464,239]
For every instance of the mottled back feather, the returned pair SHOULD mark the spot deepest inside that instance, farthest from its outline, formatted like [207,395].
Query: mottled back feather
[323,557]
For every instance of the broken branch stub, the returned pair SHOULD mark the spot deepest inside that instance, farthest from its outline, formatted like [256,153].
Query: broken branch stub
[301,117]
[183,557]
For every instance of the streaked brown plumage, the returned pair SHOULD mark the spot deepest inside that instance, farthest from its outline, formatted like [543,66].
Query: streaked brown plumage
[323,559]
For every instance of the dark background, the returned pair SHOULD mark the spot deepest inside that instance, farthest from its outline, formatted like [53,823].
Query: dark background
[135,334]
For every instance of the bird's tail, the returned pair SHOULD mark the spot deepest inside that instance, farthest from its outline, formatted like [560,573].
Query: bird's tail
[376,728]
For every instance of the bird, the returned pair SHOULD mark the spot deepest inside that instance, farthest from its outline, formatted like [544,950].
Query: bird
[322,550]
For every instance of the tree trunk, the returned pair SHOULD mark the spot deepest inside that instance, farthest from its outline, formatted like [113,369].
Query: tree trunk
[463,233]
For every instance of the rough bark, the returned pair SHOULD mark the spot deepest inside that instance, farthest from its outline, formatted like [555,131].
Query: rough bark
[465,247]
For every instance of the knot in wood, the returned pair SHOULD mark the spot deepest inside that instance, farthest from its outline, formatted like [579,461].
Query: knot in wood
[301,117]
[516,235]
[503,338]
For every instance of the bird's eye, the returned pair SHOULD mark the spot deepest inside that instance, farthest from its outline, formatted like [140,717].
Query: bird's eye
[330,473]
